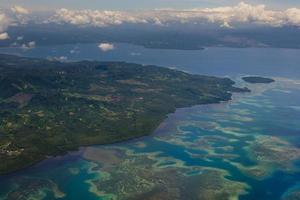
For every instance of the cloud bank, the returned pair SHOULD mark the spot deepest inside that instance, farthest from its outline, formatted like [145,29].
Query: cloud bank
[228,17]
[224,16]
[94,17]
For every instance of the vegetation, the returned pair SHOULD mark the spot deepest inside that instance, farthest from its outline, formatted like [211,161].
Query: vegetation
[257,79]
[48,108]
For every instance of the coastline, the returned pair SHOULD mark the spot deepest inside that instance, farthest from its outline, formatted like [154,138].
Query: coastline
[129,139]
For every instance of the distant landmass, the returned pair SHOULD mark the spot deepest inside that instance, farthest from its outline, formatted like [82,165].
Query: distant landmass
[48,108]
[174,36]
[257,79]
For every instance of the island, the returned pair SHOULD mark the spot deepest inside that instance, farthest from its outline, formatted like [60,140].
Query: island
[48,108]
[257,79]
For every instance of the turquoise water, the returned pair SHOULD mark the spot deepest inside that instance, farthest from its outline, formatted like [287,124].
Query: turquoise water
[248,148]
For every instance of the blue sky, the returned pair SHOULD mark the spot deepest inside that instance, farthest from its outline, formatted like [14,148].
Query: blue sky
[139,4]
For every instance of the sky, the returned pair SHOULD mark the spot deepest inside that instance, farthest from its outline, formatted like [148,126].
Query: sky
[139,4]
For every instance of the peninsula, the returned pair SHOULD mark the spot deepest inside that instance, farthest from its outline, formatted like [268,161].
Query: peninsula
[48,107]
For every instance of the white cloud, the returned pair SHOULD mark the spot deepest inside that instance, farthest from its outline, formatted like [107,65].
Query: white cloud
[293,16]
[4,36]
[106,47]
[19,15]
[4,21]
[59,58]
[20,38]
[135,54]
[224,16]
[20,10]
[16,15]
[75,50]
[29,45]
[96,17]
[243,13]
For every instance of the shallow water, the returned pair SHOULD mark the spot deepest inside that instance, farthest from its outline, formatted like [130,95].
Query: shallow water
[248,148]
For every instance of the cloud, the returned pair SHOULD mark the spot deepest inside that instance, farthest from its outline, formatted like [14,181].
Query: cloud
[19,15]
[4,36]
[96,17]
[29,45]
[20,10]
[4,21]
[224,16]
[293,16]
[20,38]
[59,58]
[16,15]
[75,50]
[135,54]
[106,47]
[241,13]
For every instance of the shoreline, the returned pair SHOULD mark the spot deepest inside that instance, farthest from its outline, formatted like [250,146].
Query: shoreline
[131,139]
[79,150]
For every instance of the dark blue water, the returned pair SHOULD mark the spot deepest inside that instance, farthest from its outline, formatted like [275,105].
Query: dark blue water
[212,61]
